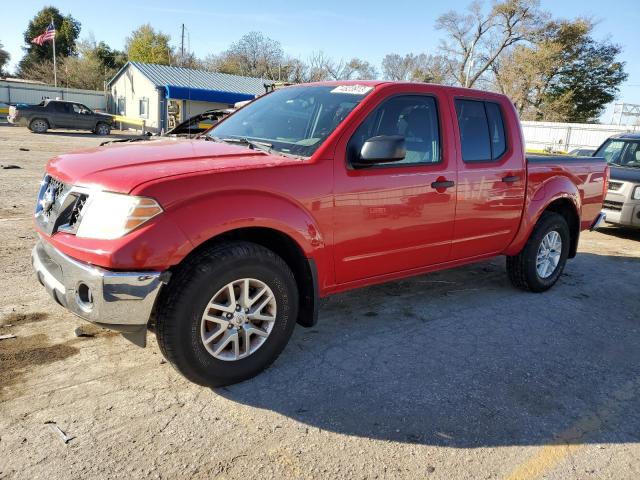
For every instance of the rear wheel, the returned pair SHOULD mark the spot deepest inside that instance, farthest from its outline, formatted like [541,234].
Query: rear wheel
[102,129]
[227,313]
[38,125]
[541,262]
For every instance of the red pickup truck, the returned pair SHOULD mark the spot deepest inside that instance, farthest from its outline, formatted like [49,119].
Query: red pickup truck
[222,244]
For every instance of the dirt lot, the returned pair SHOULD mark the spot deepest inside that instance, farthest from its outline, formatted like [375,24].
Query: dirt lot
[450,375]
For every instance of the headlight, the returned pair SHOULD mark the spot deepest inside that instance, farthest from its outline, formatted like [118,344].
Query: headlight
[111,215]
[636,193]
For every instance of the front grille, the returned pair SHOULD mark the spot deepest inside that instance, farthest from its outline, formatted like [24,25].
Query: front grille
[615,186]
[59,206]
[609,205]
[76,212]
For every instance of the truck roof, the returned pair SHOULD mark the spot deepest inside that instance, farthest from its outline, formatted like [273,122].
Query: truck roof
[627,136]
[377,83]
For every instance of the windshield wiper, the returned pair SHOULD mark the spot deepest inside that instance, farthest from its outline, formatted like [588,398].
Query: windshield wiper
[254,144]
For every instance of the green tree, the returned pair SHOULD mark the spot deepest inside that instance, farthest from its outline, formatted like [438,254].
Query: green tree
[67,31]
[565,76]
[4,59]
[591,81]
[148,46]
[109,58]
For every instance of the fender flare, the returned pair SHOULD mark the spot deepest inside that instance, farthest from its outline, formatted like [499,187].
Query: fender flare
[205,218]
[209,216]
[558,188]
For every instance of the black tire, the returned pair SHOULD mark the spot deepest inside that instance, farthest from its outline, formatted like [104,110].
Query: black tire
[192,286]
[522,267]
[39,125]
[102,129]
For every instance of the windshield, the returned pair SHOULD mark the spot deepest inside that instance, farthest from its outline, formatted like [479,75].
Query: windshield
[294,120]
[623,153]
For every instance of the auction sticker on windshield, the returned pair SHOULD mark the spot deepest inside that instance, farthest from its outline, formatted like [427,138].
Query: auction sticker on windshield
[352,89]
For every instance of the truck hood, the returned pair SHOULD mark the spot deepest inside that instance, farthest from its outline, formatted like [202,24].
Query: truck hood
[625,174]
[120,167]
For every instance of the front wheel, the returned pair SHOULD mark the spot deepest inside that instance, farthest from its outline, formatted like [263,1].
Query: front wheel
[227,313]
[103,129]
[541,262]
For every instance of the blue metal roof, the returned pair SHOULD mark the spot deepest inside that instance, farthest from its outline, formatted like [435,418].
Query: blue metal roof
[202,95]
[185,83]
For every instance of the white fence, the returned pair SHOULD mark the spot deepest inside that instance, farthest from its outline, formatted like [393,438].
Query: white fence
[568,136]
[34,93]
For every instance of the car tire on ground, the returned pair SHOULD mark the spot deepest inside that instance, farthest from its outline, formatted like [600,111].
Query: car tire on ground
[227,313]
[102,129]
[39,125]
[541,262]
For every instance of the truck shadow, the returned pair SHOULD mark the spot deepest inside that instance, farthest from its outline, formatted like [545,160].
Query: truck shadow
[461,359]
[621,232]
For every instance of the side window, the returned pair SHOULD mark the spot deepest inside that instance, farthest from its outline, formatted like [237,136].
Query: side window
[60,107]
[415,117]
[143,107]
[631,156]
[482,135]
[496,130]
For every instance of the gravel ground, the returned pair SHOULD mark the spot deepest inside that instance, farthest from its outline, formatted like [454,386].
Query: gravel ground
[448,375]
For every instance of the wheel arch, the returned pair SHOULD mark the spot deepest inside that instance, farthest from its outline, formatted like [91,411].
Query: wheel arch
[304,268]
[558,194]
[567,209]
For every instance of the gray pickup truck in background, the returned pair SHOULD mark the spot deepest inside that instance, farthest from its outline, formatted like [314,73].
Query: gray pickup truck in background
[59,114]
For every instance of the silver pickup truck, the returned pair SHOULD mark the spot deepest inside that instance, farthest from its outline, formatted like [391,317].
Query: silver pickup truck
[622,203]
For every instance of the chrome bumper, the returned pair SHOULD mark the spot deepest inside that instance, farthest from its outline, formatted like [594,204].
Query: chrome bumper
[119,300]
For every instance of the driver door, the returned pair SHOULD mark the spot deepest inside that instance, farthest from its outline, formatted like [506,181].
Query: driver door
[83,118]
[396,216]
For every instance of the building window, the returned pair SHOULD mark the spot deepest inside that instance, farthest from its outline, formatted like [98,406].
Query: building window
[122,106]
[143,108]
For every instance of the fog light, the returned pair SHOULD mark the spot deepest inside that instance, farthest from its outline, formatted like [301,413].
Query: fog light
[84,297]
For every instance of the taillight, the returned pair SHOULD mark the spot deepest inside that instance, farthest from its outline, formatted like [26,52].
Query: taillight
[605,184]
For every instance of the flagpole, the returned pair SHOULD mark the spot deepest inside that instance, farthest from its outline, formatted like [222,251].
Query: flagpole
[55,72]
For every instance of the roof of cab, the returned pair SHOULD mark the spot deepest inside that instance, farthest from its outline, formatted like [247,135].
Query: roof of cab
[627,136]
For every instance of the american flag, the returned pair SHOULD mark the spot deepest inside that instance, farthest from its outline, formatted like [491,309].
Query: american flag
[49,34]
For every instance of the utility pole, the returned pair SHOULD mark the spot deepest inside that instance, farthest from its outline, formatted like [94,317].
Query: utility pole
[182,47]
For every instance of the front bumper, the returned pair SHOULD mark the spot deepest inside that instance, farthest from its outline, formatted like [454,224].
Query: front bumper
[626,212]
[118,300]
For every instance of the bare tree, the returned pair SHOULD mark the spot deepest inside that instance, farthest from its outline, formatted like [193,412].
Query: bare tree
[415,68]
[475,39]
[321,67]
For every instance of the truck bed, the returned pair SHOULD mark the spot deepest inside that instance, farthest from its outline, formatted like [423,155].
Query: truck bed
[589,174]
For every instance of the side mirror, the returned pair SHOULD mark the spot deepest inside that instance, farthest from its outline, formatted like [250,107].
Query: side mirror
[381,149]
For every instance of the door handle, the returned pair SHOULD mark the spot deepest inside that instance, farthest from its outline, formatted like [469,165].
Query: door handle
[510,178]
[443,184]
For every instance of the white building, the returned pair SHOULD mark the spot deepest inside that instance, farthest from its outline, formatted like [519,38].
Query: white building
[164,96]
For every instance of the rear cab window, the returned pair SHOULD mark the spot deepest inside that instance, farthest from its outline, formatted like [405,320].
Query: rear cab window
[482,132]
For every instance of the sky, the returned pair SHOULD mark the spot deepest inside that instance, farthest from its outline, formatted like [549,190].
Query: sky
[341,29]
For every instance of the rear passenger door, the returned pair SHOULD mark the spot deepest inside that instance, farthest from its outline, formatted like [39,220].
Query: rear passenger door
[491,178]
[61,114]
